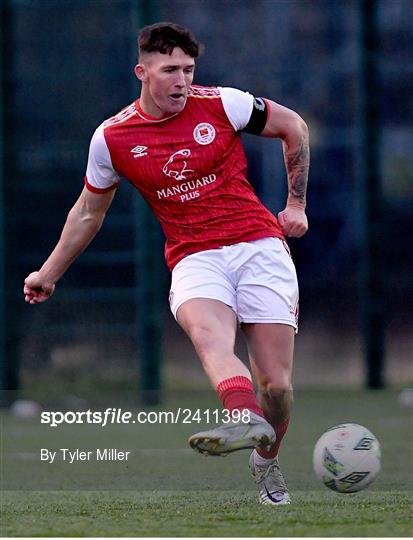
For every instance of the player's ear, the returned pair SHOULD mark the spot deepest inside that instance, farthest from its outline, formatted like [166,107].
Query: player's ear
[141,72]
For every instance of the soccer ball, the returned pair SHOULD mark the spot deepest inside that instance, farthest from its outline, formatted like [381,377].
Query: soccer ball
[346,458]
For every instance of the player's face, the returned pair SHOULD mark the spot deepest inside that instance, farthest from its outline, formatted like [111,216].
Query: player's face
[166,79]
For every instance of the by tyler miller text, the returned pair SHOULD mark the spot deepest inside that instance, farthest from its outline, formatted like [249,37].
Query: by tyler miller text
[76,455]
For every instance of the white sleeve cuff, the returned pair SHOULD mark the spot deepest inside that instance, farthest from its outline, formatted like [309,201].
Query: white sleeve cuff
[100,173]
[237,105]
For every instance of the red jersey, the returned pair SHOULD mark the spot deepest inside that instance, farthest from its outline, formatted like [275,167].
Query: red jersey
[190,168]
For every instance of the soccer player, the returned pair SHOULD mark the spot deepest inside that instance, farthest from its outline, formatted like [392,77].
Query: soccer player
[180,146]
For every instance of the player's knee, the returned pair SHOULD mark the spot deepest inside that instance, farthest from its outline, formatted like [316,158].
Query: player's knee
[278,391]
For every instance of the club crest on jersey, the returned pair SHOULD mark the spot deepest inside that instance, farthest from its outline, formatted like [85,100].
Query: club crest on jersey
[176,165]
[204,133]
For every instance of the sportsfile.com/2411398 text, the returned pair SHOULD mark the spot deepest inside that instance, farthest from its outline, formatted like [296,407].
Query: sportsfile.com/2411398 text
[113,415]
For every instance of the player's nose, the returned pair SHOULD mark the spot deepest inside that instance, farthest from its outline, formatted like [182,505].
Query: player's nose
[180,81]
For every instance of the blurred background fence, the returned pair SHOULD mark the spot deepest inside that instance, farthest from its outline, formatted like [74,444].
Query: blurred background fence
[67,65]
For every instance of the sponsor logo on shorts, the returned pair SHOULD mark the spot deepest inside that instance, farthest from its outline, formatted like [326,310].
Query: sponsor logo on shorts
[295,310]
[204,133]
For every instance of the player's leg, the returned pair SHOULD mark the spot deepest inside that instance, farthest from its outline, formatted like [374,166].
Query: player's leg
[267,300]
[211,325]
[270,348]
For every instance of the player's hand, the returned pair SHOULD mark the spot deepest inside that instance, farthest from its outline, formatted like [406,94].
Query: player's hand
[293,221]
[36,289]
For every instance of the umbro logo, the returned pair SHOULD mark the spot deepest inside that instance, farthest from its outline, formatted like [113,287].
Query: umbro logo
[139,151]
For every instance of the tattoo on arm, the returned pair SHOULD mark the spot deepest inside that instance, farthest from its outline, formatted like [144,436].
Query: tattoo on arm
[297,165]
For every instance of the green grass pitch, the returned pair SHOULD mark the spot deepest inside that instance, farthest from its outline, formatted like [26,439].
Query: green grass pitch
[169,490]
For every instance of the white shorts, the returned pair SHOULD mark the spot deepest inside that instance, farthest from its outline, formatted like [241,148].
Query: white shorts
[256,279]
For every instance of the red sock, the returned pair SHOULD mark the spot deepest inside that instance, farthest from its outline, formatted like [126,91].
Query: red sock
[280,430]
[237,393]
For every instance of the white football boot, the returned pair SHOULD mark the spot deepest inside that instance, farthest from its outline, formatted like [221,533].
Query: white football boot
[270,481]
[233,436]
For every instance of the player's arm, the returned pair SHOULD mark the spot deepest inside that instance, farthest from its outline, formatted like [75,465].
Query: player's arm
[292,130]
[265,117]
[83,222]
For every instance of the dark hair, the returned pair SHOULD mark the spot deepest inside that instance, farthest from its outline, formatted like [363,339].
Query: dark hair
[163,37]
